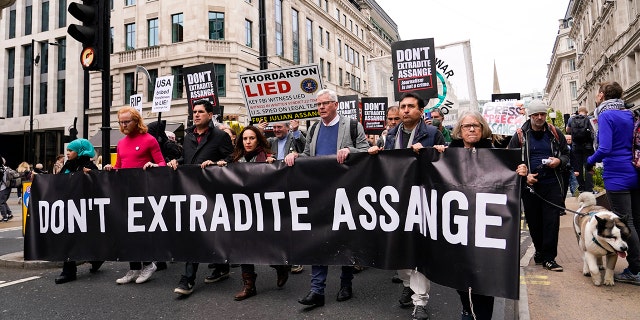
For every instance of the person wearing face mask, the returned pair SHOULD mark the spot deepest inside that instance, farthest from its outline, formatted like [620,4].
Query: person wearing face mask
[437,117]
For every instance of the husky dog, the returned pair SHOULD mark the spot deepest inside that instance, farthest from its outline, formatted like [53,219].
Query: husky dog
[600,233]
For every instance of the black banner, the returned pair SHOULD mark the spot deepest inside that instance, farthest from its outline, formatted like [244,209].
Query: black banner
[453,215]
[374,114]
[414,68]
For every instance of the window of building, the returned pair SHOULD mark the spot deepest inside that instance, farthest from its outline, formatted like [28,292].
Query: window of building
[572,64]
[322,67]
[43,97]
[221,77]
[247,1]
[570,44]
[295,36]
[339,46]
[129,3]
[130,36]
[44,16]
[26,99]
[340,82]
[153,74]
[328,40]
[60,96]
[328,71]
[62,53]
[216,25]
[326,5]
[248,33]
[28,14]
[177,28]
[129,83]
[11,60]
[10,93]
[154,32]
[309,41]
[111,40]
[62,13]
[26,64]
[337,14]
[44,58]
[178,82]
[344,20]
[573,88]
[279,37]
[12,24]
[321,36]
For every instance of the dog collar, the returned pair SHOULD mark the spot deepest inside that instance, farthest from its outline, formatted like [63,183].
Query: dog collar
[591,214]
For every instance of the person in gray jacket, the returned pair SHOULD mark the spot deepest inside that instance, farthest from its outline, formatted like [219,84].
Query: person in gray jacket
[333,135]
[286,140]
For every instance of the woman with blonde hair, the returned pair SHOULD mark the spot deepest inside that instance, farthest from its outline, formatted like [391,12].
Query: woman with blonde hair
[24,169]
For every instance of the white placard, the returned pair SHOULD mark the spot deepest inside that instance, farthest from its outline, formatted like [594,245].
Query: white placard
[135,101]
[162,94]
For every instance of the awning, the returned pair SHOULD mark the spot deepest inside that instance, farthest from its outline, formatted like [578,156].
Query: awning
[115,135]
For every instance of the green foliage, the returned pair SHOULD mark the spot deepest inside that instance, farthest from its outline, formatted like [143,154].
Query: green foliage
[558,121]
[598,182]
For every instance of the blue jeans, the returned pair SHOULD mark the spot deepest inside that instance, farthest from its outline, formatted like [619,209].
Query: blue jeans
[626,204]
[319,278]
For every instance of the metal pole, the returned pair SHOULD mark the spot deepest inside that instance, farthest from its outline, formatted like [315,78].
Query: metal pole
[106,104]
[31,156]
[262,35]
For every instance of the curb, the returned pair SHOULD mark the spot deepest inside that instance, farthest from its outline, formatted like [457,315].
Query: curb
[16,260]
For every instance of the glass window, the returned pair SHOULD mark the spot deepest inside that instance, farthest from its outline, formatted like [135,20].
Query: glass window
[328,40]
[216,25]
[339,48]
[12,24]
[177,28]
[60,97]
[10,92]
[44,17]
[154,35]
[573,88]
[248,33]
[28,51]
[62,13]
[340,82]
[572,64]
[62,53]
[44,57]
[309,41]
[178,84]
[130,36]
[129,80]
[151,87]
[43,98]
[26,99]
[321,36]
[28,11]
[328,71]
[279,37]
[11,59]
[295,36]
[337,14]
[221,77]
[129,3]
[111,40]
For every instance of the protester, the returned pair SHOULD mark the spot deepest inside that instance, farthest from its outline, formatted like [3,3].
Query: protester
[331,136]
[138,149]
[582,136]
[545,152]
[571,172]
[615,139]
[170,148]
[24,169]
[79,159]
[253,147]
[413,133]
[393,117]
[5,192]
[470,132]
[204,144]
[58,165]
[39,169]
[437,119]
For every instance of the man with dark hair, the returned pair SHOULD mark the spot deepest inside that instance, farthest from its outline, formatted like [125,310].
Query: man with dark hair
[331,136]
[581,131]
[204,144]
[412,133]
[437,119]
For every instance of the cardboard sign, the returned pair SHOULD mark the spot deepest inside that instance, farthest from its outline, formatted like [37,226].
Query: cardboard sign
[504,117]
[135,101]
[374,111]
[414,68]
[348,107]
[162,94]
[201,84]
[278,95]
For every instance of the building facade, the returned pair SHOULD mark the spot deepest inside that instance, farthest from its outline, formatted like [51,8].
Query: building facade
[342,36]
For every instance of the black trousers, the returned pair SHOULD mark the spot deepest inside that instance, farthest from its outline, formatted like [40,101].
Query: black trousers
[543,218]
[585,179]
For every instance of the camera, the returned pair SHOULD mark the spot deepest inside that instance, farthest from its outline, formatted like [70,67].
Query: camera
[546,161]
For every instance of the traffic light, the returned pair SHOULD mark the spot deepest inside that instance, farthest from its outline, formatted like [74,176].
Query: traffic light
[91,33]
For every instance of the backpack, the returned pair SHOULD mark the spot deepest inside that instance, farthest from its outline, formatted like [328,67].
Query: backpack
[581,129]
[10,177]
[353,129]
[636,140]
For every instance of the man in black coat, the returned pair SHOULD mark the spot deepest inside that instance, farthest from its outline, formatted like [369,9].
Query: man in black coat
[204,145]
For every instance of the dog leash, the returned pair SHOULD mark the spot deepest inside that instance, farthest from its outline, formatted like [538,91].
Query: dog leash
[553,204]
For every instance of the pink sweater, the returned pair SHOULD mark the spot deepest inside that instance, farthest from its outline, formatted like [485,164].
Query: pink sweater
[137,149]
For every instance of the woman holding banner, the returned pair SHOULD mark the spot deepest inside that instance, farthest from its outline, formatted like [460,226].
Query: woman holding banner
[470,132]
[252,146]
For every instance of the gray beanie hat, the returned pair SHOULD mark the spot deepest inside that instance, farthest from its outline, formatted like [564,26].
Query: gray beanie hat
[537,106]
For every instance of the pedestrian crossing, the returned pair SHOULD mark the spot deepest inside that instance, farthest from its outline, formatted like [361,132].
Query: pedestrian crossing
[10,283]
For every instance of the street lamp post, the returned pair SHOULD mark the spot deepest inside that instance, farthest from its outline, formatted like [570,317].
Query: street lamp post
[32,150]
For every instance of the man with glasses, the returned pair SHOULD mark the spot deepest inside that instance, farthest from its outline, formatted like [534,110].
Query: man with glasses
[545,152]
[331,136]
[412,133]
[138,149]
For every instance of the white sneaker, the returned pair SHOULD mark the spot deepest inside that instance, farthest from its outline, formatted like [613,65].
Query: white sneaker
[130,276]
[146,273]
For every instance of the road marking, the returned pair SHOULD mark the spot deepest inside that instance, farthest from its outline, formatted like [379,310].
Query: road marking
[10,283]
[10,229]
[533,279]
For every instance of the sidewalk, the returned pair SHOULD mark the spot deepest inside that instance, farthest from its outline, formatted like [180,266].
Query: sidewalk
[569,294]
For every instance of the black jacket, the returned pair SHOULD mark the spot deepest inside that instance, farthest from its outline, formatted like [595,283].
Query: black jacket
[215,145]
[78,164]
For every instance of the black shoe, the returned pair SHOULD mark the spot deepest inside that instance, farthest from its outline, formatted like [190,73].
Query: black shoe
[161,266]
[217,275]
[344,294]
[396,279]
[282,275]
[9,217]
[64,278]
[405,298]
[537,258]
[553,266]
[420,313]
[95,266]
[185,287]
[313,299]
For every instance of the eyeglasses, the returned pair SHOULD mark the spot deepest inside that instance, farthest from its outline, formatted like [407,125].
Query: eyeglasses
[469,126]
[392,119]
[125,123]
[324,103]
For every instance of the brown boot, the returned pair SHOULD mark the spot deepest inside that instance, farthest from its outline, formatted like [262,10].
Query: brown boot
[249,288]
[283,274]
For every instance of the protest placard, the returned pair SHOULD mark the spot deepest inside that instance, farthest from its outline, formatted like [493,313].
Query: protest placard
[162,94]
[414,68]
[374,110]
[348,107]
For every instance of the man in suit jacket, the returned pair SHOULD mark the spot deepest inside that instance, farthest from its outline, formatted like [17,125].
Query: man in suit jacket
[331,136]
[286,140]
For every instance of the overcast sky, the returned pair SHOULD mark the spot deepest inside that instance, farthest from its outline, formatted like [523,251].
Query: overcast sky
[519,35]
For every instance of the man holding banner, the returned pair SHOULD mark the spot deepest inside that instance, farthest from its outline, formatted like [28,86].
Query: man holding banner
[331,136]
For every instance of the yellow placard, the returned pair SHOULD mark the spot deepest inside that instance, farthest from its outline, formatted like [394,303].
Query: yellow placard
[26,194]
